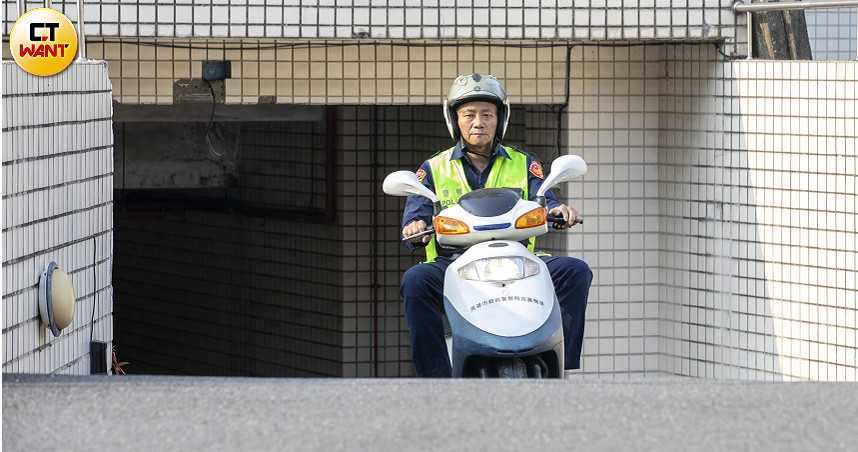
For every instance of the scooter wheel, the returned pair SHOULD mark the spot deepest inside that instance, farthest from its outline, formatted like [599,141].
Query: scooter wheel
[512,368]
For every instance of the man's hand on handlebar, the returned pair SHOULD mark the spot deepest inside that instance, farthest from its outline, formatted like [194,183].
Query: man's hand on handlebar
[569,214]
[416,227]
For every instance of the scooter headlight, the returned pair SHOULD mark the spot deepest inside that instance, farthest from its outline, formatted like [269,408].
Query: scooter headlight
[498,269]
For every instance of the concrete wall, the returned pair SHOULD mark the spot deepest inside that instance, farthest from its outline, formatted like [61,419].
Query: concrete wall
[57,206]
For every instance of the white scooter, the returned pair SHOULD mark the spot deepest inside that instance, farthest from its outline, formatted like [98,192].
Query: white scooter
[498,296]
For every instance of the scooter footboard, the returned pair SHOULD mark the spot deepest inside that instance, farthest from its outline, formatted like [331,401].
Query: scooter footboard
[471,344]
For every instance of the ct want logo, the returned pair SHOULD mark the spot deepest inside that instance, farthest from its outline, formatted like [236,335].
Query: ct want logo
[43,42]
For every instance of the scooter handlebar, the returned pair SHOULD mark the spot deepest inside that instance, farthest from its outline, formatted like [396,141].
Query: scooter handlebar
[559,221]
[428,231]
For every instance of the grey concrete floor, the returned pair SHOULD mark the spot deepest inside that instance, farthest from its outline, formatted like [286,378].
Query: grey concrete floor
[250,414]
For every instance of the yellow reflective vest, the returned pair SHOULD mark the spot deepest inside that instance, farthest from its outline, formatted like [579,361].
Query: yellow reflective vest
[450,182]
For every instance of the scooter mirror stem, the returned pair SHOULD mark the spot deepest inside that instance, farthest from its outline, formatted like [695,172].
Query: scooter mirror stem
[563,169]
[405,183]
[541,200]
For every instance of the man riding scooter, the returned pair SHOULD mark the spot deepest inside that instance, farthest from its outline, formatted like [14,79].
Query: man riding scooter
[477,113]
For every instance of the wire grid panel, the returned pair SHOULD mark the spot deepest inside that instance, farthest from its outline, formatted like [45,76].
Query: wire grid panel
[758,196]
[833,33]
[409,19]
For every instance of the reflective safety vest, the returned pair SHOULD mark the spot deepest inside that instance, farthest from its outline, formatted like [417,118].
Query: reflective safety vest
[450,182]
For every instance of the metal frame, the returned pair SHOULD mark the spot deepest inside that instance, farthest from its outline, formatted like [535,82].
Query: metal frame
[750,8]
[81,48]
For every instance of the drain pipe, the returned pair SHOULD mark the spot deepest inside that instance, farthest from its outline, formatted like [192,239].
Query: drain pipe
[81,45]
[21,7]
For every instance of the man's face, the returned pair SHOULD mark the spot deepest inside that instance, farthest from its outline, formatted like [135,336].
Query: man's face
[478,122]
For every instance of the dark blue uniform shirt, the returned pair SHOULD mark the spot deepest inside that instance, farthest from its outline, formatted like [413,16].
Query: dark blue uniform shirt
[420,208]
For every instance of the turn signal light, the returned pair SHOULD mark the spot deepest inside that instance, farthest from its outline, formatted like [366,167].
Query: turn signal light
[450,226]
[532,219]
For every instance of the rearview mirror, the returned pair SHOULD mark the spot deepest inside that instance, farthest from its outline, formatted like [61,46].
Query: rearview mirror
[563,169]
[404,183]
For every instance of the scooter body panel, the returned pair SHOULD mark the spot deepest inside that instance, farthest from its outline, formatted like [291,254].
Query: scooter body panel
[470,341]
[510,309]
[517,318]
[497,227]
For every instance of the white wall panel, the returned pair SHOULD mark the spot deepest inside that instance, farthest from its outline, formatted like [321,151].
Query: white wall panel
[57,206]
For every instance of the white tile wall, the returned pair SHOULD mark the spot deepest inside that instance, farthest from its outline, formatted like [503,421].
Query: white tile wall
[721,216]
[516,19]
[57,206]
[758,194]
[612,122]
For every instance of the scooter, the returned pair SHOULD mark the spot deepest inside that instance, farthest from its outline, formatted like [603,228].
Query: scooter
[498,296]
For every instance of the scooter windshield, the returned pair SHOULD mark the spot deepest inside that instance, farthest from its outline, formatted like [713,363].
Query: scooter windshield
[489,202]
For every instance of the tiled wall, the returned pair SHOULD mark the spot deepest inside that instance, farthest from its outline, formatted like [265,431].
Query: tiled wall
[705,258]
[515,19]
[758,196]
[336,72]
[833,33]
[613,124]
[57,206]
[689,232]
[657,124]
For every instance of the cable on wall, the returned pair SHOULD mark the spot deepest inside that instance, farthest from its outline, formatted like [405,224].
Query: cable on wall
[565,105]
[94,286]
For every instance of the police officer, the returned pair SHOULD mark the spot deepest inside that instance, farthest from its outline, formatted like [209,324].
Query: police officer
[477,113]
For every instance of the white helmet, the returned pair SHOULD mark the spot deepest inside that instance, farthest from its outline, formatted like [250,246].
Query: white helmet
[476,87]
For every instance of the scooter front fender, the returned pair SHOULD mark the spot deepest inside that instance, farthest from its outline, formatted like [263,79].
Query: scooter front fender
[470,341]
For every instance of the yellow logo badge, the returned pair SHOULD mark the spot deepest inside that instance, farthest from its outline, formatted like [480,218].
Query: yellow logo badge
[43,42]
